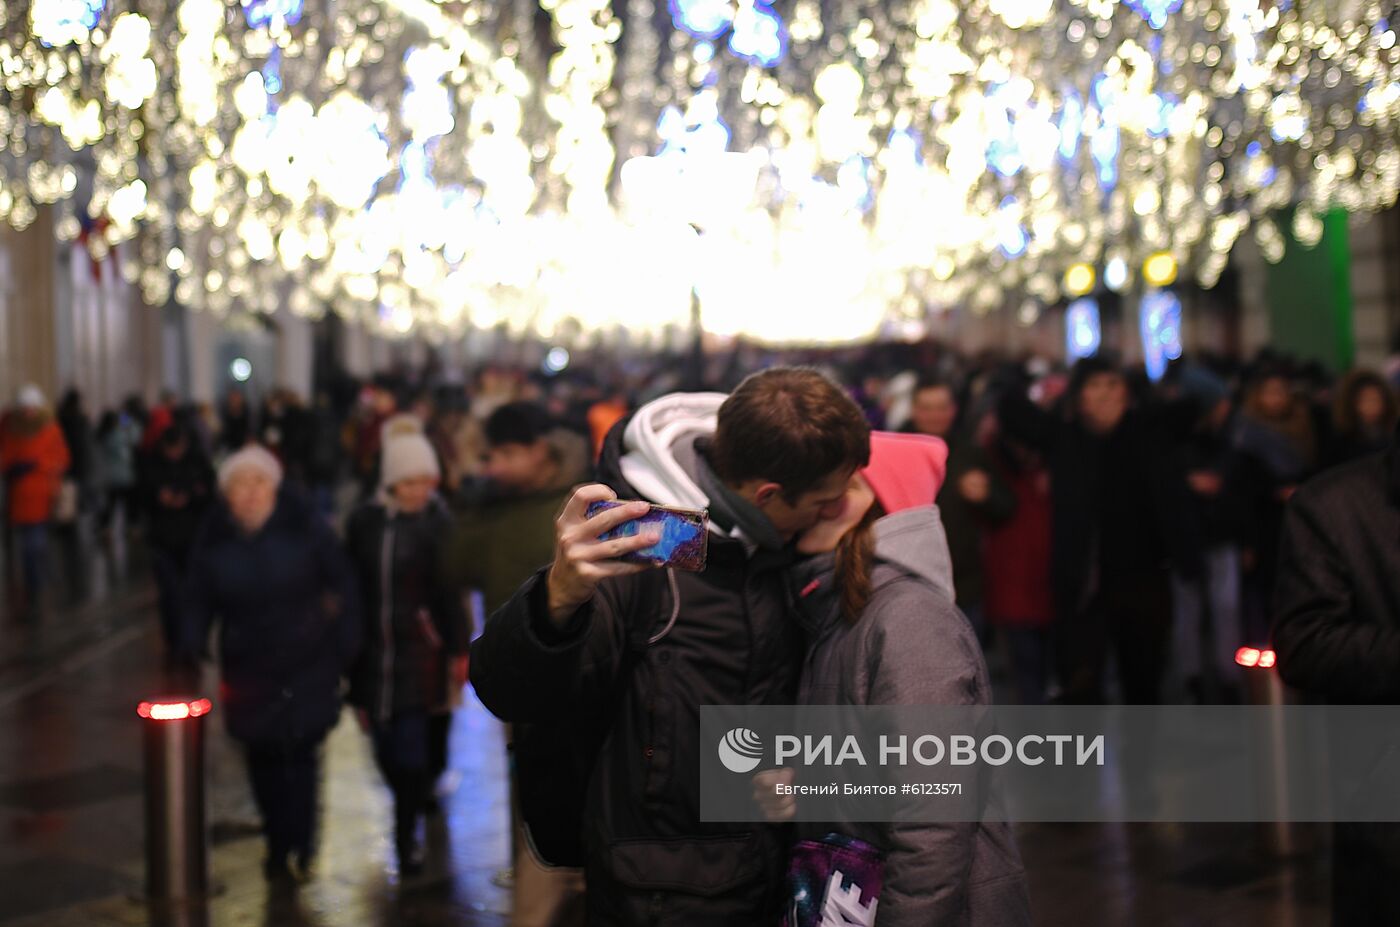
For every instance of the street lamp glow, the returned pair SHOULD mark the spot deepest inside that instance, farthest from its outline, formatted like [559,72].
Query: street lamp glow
[556,360]
[1079,280]
[1160,269]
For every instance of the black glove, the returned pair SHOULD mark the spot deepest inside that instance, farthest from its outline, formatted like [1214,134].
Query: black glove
[16,470]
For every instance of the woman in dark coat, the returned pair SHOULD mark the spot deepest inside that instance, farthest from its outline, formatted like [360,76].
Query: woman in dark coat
[273,575]
[417,633]
[1337,634]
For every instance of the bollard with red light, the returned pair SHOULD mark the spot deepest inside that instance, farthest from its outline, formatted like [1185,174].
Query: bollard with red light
[177,841]
[1266,689]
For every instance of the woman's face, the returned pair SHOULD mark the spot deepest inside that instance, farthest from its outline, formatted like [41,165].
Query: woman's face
[413,495]
[1370,407]
[251,498]
[827,534]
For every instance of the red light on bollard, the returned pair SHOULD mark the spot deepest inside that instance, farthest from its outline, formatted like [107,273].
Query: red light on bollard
[1247,656]
[174,711]
[1253,656]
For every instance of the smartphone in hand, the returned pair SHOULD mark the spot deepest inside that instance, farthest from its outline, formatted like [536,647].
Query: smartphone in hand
[684,540]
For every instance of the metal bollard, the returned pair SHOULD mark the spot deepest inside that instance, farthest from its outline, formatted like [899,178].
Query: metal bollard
[1283,837]
[177,840]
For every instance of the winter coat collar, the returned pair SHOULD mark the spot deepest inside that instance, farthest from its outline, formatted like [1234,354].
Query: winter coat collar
[290,514]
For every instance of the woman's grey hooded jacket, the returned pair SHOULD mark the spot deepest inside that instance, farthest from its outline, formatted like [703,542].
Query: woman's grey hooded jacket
[911,646]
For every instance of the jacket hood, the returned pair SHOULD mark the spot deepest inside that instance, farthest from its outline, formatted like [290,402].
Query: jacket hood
[913,543]
[658,442]
[657,454]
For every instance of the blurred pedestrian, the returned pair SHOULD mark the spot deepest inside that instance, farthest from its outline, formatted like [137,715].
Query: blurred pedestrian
[117,440]
[235,421]
[1019,600]
[1363,417]
[1120,519]
[974,496]
[377,404]
[1209,618]
[177,489]
[323,454]
[285,431]
[76,425]
[1337,635]
[160,417]
[1276,439]
[503,534]
[417,633]
[33,459]
[273,577]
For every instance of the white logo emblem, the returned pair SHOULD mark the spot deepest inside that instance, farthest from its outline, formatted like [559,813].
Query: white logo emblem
[740,750]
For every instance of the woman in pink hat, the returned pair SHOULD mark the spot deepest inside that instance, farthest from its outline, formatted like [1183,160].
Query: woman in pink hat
[876,598]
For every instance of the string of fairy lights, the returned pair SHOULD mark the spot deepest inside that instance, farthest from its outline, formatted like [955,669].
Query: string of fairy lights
[807,171]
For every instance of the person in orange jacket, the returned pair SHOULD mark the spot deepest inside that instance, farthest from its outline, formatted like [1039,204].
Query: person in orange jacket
[33,459]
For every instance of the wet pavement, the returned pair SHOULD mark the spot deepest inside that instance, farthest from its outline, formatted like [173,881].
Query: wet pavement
[71,809]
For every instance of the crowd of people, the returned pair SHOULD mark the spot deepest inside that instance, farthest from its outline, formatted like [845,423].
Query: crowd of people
[891,524]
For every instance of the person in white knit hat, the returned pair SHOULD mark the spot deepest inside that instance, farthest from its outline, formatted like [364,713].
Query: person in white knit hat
[417,634]
[267,570]
[249,480]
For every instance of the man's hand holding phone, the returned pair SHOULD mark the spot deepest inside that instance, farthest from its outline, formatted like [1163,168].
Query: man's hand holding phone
[581,560]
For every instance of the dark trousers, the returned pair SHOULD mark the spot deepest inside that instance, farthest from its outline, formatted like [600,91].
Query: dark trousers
[284,777]
[439,730]
[1029,650]
[1131,615]
[404,754]
[169,574]
[118,497]
[32,542]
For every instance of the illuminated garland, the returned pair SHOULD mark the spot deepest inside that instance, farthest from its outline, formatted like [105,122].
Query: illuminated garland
[814,171]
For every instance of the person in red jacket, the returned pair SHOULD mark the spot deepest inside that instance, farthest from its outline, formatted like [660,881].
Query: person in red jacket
[33,459]
[1019,600]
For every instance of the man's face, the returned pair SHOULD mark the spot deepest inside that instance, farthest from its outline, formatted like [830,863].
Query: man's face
[1103,402]
[823,501]
[934,411]
[517,466]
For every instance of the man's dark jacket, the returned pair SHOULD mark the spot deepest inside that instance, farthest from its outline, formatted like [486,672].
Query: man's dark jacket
[648,857]
[1130,508]
[1337,635]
